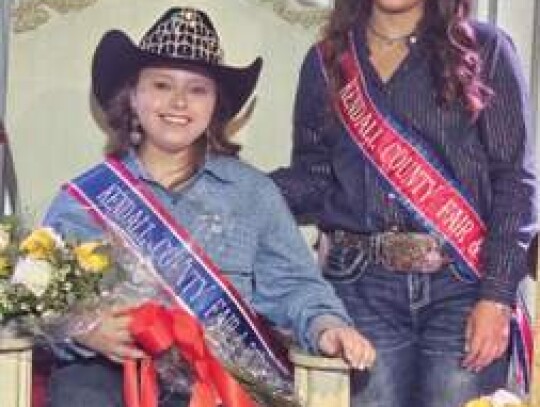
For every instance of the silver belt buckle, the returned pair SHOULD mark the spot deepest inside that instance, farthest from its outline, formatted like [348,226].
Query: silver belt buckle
[411,251]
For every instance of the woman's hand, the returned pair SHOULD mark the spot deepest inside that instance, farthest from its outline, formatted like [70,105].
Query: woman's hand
[111,338]
[487,334]
[349,344]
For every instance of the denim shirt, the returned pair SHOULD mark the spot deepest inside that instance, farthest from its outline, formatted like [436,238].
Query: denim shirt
[331,185]
[240,218]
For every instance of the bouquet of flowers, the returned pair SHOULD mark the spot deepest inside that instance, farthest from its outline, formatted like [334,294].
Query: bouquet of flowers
[54,289]
[146,286]
[44,279]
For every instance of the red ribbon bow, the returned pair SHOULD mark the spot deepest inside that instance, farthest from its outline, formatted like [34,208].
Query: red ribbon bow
[156,329]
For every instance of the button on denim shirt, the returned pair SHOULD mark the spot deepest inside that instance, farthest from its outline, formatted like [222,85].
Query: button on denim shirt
[330,184]
[240,218]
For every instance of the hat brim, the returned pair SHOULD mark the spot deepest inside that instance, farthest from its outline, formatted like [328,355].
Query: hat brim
[117,59]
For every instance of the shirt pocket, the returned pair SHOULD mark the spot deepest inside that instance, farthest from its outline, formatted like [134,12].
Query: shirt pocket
[238,255]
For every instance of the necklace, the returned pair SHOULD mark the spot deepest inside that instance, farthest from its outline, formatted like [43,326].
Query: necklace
[388,40]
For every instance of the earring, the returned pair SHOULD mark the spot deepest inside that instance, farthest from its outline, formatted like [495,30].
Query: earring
[135,134]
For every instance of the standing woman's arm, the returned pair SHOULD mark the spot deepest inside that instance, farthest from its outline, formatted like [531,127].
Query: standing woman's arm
[309,176]
[511,220]
[510,149]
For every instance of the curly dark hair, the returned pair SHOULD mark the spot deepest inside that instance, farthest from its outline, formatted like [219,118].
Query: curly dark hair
[456,66]
[119,116]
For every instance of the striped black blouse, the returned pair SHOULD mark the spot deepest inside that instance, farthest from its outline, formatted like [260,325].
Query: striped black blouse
[330,185]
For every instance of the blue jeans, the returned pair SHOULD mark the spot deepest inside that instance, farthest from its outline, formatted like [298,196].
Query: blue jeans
[95,382]
[417,324]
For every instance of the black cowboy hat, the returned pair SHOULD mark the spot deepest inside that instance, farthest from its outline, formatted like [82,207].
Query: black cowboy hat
[182,37]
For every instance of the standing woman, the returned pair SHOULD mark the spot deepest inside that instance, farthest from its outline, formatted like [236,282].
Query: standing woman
[413,154]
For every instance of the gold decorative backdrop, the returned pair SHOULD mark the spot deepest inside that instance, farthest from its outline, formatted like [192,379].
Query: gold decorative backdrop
[30,14]
[305,12]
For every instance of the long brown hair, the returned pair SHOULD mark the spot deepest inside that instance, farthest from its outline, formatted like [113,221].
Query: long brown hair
[120,119]
[451,44]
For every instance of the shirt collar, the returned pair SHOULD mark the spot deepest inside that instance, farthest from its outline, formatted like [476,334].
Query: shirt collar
[213,166]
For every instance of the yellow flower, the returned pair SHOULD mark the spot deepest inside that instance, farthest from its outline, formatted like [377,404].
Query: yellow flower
[480,402]
[91,258]
[4,266]
[40,244]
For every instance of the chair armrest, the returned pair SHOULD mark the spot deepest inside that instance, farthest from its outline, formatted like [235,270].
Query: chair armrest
[320,381]
[16,372]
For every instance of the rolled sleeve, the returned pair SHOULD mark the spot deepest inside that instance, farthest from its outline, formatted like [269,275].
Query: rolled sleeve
[289,289]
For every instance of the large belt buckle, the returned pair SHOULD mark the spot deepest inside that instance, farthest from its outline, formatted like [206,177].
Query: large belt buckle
[411,251]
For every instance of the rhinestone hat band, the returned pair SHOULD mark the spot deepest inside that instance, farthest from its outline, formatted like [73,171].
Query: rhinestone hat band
[185,34]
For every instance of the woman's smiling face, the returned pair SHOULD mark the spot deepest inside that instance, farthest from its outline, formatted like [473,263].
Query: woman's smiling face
[174,107]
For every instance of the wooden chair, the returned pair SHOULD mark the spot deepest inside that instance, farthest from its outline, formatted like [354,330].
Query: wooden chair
[319,381]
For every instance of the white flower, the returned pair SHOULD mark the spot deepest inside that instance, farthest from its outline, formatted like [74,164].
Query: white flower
[503,398]
[33,274]
[5,239]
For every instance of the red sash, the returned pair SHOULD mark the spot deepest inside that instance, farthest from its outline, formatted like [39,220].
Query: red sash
[428,194]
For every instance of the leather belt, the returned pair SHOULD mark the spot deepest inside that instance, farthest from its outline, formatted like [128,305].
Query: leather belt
[397,251]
